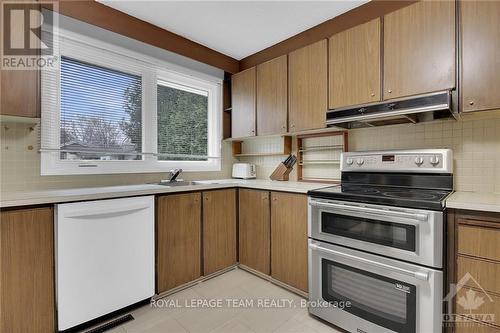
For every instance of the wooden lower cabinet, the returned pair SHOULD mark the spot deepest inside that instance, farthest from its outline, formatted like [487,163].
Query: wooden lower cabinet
[219,230]
[289,239]
[477,260]
[178,240]
[27,271]
[255,230]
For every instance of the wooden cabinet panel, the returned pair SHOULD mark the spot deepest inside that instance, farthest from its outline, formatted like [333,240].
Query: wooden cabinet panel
[486,273]
[419,49]
[480,26]
[289,239]
[20,93]
[474,327]
[272,95]
[307,87]
[255,230]
[488,306]
[243,103]
[27,271]
[219,230]
[479,242]
[178,240]
[354,65]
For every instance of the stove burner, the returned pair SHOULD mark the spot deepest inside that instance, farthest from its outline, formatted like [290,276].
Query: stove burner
[410,195]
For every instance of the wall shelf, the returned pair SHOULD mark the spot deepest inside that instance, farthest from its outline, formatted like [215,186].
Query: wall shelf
[287,149]
[319,156]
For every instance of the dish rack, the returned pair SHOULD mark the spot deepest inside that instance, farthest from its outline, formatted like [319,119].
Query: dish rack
[319,156]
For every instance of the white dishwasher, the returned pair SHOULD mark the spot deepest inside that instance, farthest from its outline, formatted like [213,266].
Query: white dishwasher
[104,257]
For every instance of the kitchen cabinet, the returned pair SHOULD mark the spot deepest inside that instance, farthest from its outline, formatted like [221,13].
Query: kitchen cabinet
[219,230]
[354,65]
[419,49]
[27,270]
[20,93]
[178,240]
[475,262]
[307,87]
[289,239]
[254,230]
[480,33]
[243,103]
[272,95]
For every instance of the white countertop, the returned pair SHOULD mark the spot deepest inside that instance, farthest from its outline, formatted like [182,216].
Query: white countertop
[487,202]
[13,199]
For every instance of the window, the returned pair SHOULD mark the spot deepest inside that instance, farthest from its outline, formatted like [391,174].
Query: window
[109,110]
[182,122]
[100,113]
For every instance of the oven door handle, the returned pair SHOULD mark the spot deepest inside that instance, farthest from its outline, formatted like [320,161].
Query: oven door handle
[420,275]
[359,209]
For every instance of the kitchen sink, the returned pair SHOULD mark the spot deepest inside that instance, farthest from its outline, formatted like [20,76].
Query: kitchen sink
[178,183]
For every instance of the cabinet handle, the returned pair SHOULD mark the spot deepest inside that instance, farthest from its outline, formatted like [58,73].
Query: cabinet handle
[389,91]
[283,127]
[471,102]
[372,94]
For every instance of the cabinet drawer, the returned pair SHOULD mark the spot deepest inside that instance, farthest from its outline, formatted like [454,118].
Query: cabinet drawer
[479,242]
[489,306]
[485,273]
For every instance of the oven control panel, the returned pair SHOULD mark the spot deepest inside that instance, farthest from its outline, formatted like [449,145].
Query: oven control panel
[414,161]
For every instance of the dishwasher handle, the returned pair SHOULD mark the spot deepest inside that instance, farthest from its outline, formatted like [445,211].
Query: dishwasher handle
[108,212]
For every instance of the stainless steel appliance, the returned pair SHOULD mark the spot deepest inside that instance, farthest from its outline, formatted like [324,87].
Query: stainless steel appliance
[376,242]
[412,109]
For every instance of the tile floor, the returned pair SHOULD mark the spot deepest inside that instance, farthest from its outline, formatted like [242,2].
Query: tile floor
[178,314]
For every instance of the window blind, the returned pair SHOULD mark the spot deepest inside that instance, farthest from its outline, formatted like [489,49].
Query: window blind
[100,115]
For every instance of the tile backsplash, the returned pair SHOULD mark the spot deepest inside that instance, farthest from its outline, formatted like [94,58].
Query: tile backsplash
[20,165]
[474,139]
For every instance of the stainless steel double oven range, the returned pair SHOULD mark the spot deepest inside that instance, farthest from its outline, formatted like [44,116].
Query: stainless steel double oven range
[376,242]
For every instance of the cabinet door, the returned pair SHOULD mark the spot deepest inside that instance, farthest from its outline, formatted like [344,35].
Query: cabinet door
[19,94]
[307,87]
[272,95]
[243,103]
[480,53]
[255,230]
[354,65]
[419,49]
[178,237]
[289,239]
[27,271]
[219,230]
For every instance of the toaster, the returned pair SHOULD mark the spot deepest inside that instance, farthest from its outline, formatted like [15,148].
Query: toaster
[244,170]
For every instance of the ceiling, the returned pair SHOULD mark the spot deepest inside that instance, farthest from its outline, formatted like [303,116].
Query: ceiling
[235,28]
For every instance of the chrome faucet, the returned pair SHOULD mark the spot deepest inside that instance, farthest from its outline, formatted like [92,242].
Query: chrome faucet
[174,174]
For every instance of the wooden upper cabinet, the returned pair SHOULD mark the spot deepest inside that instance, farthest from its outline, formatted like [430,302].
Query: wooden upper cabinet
[20,93]
[289,239]
[219,230]
[419,49]
[354,65]
[272,95]
[178,240]
[243,103]
[255,230]
[27,301]
[480,79]
[307,87]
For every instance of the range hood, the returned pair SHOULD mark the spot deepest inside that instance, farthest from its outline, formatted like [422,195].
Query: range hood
[412,109]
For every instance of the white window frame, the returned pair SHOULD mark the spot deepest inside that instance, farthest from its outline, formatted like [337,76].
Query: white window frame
[151,70]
